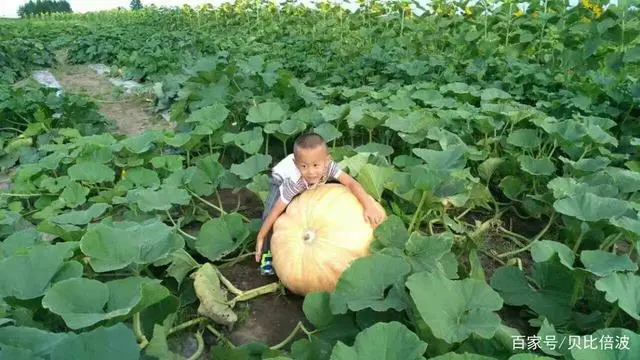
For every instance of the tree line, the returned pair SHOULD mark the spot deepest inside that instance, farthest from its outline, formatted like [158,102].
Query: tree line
[32,8]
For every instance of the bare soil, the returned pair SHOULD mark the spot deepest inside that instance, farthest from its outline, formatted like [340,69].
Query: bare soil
[268,318]
[131,112]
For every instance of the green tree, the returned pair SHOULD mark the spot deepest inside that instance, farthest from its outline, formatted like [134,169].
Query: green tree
[135,5]
[32,8]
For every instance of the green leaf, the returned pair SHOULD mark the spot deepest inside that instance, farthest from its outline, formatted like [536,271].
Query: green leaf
[158,346]
[141,143]
[375,148]
[443,160]
[512,187]
[603,263]
[543,250]
[488,167]
[209,118]
[624,288]
[27,275]
[91,172]
[382,341]
[587,164]
[413,123]
[425,253]
[627,181]
[162,199]
[491,94]
[608,344]
[328,132]
[371,282]
[524,138]
[266,112]
[102,343]
[121,244]
[143,177]
[84,302]
[252,166]
[373,178]
[82,217]
[455,310]
[465,356]
[181,264]
[317,309]
[591,207]
[74,195]
[552,296]
[221,236]
[248,141]
[533,166]
[392,232]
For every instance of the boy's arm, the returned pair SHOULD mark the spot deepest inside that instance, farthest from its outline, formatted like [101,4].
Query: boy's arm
[371,211]
[277,209]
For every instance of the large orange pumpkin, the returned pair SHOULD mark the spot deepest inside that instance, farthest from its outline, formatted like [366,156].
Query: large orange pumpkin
[317,237]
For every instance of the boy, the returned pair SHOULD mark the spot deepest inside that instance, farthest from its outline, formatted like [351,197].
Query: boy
[310,165]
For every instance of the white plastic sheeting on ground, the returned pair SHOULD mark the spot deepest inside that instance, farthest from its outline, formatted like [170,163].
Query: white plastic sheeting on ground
[47,79]
[128,85]
[100,68]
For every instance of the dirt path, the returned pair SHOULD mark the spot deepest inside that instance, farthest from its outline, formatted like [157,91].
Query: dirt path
[132,112]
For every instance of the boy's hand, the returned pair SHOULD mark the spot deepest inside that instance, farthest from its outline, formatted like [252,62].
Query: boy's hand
[259,242]
[373,215]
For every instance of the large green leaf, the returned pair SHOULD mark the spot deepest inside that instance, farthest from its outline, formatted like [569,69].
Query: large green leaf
[101,343]
[524,138]
[454,310]
[74,195]
[161,199]
[252,166]
[266,112]
[81,217]
[443,160]
[383,341]
[426,253]
[84,302]
[591,207]
[392,232]
[373,178]
[91,172]
[543,250]
[607,344]
[533,166]
[221,236]
[122,244]
[330,327]
[623,287]
[29,274]
[209,118]
[249,141]
[603,263]
[371,282]
[551,296]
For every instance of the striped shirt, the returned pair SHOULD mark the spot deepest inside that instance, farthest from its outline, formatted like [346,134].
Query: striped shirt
[292,181]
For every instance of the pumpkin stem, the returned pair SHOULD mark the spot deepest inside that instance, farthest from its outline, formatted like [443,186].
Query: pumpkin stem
[293,333]
[250,294]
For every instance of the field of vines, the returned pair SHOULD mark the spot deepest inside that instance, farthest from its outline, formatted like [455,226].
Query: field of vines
[502,139]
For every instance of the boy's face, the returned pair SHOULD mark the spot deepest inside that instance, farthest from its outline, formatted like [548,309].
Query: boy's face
[312,163]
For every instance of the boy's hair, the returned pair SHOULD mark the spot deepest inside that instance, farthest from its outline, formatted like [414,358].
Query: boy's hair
[308,141]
